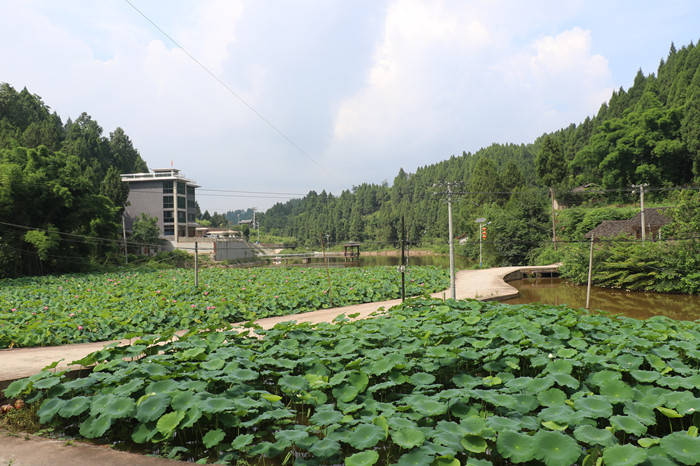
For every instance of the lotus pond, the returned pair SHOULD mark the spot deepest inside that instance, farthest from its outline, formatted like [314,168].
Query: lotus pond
[64,309]
[430,382]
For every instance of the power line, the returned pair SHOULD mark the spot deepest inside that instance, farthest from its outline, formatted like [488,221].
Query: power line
[225,86]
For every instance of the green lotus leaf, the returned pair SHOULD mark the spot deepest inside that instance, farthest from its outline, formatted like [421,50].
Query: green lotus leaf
[325,417]
[242,441]
[152,408]
[267,449]
[657,457]
[118,408]
[79,384]
[688,406]
[192,415]
[47,382]
[594,406]
[270,397]
[95,426]
[292,436]
[191,353]
[478,462]
[551,425]
[600,377]
[473,425]
[346,393]
[144,432]
[183,400]
[517,447]
[153,369]
[128,388]
[243,375]
[628,424]
[640,412]
[408,437]
[427,406]
[416,457]
[616,391]
[565,380]
[645,376]
[668,412]
[162,386]
[555,448]
[594,436]
[560,366]
[365,436]
[213,438]
[212,364]
[99,404]
[629,362]
[500,424]
[566,352]
[624,455]
[364,458]
[681,447]
[551,397]
[49,408]
[561,414]
[647,442]
[217,404]
[359,380]
[75,406]
[474,443]
[168,422]
[291,384]
[17,387]
[325,448]
[421,378]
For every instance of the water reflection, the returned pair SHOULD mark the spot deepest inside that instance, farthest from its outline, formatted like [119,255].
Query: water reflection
[632,304]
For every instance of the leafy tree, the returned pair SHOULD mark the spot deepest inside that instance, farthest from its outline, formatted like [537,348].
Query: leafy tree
[145,230]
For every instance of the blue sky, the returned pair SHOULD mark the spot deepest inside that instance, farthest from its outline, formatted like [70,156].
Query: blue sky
[363,87]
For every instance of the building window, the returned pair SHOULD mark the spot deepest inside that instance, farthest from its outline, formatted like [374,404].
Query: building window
[168,186]
[190,191]
[190,231]
[168,202]
[191,217]
[168,230]
[181,217]
[168,216]
[180,202]
[181,188]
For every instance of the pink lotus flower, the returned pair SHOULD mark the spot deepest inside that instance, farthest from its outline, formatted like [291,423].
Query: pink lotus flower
[276,296]
[46,308]
[80,327]
[14,309]
[206,293]
[33,313]
[157,291]
[193,306]
[71,314]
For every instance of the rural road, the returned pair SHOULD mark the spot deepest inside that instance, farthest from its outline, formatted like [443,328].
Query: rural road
[485,284]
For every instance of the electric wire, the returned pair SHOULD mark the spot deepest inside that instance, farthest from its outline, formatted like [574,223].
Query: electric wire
[226,86]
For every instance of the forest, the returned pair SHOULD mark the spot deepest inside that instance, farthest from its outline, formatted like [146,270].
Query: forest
[649,133]
[59,182]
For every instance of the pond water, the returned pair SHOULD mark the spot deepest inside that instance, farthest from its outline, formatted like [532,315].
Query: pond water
[632,304]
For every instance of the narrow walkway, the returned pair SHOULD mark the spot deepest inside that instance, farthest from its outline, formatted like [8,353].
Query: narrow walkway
[485,284]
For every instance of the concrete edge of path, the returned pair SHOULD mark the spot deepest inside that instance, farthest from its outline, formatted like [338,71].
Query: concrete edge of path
[26,450]
[484,284]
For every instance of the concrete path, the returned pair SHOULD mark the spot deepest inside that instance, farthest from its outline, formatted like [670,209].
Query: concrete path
[485,284]
[29,450]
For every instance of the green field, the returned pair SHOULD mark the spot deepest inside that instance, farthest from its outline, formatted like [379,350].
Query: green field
[55,310]
[432,382]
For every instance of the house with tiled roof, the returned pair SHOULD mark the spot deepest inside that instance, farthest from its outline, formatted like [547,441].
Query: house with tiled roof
[654,219]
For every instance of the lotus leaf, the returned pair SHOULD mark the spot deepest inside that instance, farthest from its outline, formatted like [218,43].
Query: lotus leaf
[421,378]
[645,376]
[551,397]
[641,413]
[427,406]
[364,458]
[555,448]
[474,443]
[213,438]
[49,408]
[628,424]
[681,447]
[365,436]
[152,407]
[168,422]
[325,448]
[408,437]
[144,432]
[325,417]
[616,391]
[517,447]
[416,457]
[594,436]
[624,455]
[291,384]
[95,426]
[242,441]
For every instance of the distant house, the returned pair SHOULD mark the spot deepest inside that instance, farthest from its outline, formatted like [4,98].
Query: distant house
[166,195]
[245,222]
[654,219]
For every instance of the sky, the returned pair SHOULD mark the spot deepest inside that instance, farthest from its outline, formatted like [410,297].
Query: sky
[329,94]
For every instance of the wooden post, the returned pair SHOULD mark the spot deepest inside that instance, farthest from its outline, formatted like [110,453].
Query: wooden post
[590,268]
[328,272]
[453,293]
[196,265]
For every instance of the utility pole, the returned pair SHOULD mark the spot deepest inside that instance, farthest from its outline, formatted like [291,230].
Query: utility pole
[554,222]
[590,268]
[403,260]
[641,205]
[126,253]
[453,293]
[480,221]
[196,265]
[328,271]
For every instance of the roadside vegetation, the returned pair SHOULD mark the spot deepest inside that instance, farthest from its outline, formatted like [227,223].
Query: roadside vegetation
[431,382]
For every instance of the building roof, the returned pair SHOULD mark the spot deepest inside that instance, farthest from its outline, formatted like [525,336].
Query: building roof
[157,174]
[653,219]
